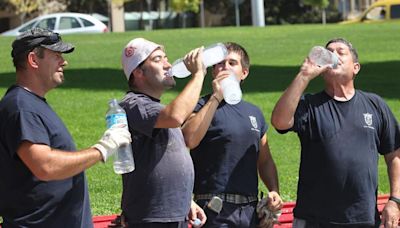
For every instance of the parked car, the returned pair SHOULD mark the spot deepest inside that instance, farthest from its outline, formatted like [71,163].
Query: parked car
[62,23]
[383,10]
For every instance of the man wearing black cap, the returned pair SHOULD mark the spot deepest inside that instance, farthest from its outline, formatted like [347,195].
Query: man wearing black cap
[42,183]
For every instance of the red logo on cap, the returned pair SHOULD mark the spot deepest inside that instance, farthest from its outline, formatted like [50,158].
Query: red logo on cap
[129,51]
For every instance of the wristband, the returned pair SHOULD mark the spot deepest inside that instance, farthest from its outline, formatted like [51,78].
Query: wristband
[394,199]
[216,99]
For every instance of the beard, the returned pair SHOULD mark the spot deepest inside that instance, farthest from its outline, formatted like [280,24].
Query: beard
[159,77]
[169,82]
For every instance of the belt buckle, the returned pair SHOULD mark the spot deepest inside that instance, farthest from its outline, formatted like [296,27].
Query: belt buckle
[215,204]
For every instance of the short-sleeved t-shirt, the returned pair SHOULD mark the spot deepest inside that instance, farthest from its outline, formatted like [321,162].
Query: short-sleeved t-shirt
[225,160]
[340,147]
[26,201]
[160,188]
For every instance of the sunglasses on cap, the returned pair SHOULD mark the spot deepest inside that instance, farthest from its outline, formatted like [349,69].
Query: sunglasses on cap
[52,39]
[45,39]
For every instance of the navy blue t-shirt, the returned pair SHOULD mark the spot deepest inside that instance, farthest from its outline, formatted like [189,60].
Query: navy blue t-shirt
[26,201]
[340,147]
[225,161]
[160,188]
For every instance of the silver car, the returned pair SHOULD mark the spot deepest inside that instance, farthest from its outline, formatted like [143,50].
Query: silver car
[62,23]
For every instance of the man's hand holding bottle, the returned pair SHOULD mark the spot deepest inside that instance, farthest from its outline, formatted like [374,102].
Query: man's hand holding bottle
[112,139]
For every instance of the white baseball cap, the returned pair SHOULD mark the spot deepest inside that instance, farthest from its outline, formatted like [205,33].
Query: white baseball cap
[135,52]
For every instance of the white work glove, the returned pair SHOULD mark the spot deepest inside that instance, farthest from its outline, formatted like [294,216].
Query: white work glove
[116,136]
[268,218]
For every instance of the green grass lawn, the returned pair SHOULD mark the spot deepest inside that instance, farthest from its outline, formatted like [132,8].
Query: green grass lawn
[94,76]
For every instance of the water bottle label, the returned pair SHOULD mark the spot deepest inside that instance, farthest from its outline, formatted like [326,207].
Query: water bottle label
[116,119]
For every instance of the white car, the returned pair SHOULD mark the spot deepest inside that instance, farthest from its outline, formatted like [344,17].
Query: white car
[62,23]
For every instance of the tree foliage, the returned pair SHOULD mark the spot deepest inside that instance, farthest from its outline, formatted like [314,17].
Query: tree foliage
[276,11]
[51,6]
[23,7]
[185,5]
[94,6]
[88,6]
[317,3]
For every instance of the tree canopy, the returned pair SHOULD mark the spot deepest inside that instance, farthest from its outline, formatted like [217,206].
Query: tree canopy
[317,3]
[185,5]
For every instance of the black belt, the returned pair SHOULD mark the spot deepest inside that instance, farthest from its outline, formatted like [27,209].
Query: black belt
[229,198]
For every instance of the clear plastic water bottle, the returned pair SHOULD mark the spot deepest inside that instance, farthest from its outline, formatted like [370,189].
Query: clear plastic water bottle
[123,158]
[322,56]
[231,89]
[212,55]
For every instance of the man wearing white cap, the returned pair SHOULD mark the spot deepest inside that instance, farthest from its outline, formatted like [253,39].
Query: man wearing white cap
[158,193]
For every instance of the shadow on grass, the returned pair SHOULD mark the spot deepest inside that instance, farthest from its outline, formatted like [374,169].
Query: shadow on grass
[381,78]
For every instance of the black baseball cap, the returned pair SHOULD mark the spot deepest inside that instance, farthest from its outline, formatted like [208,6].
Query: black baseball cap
[39,37]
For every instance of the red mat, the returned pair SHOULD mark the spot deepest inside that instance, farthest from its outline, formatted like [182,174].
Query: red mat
[286,219]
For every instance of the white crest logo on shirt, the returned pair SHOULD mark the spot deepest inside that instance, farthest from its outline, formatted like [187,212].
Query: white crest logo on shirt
[368,120]
[253,121]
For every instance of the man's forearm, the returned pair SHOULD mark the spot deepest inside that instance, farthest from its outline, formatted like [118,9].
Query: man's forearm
[283,113]
[175,113]
[393,168]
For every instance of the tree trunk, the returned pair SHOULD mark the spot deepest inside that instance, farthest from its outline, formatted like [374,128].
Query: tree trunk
[183,15]
[323,16]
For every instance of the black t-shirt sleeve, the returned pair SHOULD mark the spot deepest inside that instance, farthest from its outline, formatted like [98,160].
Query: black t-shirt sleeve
[25,126]
[264,125]
[142,115]
[300,117]
[390,130]
[301,114]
